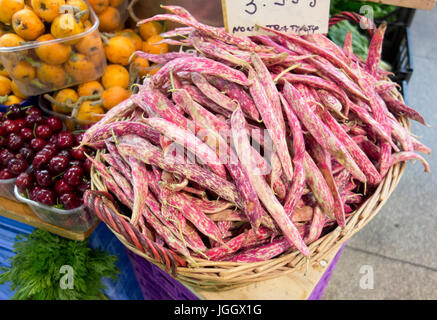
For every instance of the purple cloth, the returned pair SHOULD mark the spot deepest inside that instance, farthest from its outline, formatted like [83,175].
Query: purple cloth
[321,286]
[156,284]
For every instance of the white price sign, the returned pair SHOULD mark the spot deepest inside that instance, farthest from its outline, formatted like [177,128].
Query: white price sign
[291,16]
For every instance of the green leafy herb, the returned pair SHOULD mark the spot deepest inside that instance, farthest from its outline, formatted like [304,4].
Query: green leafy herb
[35,271]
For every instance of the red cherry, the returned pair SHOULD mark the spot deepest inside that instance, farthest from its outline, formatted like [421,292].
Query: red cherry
[27,154]
[5,156]
[43,131]
[26,133]
[65,140]
[79,138]
[87,164]
[46,197]
[10,127]
[24,181]
[14,111]
[32,119]
[17,166]
[70,201]
[37,144]
[41,160]
[54,123]
[73,176]
[34,191]
[21,123]
[62,187]
[79,153]
[58,164]
[14,141]
[84,186]
[6,174]
[43,178]
[34,110]
[65,153]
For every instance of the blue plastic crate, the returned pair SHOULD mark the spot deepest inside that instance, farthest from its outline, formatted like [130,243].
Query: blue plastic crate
[125,288]
[8,232]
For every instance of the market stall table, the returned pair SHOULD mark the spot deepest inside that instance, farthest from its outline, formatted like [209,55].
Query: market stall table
[23,213]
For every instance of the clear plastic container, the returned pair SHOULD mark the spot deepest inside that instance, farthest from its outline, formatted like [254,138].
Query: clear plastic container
[70,123]
[122,8]
[7,189]
[87,62]
[79,219]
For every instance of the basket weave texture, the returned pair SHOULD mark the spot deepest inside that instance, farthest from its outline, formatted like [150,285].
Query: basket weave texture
[224,275]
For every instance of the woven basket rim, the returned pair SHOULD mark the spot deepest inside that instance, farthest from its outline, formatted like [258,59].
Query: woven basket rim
[226,275]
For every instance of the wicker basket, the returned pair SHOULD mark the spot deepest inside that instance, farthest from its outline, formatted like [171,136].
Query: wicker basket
[218,275]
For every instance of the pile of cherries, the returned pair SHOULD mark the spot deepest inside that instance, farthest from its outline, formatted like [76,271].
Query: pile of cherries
[48,163]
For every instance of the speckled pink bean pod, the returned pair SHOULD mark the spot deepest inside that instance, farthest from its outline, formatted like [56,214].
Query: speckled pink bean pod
[212,92]
[202,65]
[319,186]
[317,224]
[211,50]
[195,216]
[342,179]
[319,83]
[360,158]
[375,50]
[142,150]
[324,42]
[244,239]
[313,48]
[399,107]
[365,116]
[266,80]
[338,77]
[163,58]
[272,123]
[237,93]
[405,156]
[265,194]
[347,47]
[111,184]
[420,147]
[116,161]
[323,161]
[243,43]
[369,148]
[303,214]
[204,101]
[123,109]
[190,234]
[121,128]
[207,206]
[122,182]
[276,183]
[330,102]
[321,132]
[176,32]
[188,140]
[172,241]
[263,252]
[298,184]
[140,188]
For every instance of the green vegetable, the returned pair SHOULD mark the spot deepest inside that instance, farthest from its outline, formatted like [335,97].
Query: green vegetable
[35,271]
[360,42]
[379,10]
